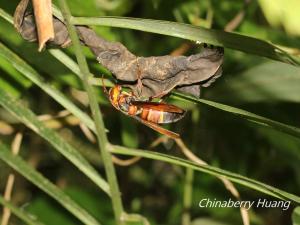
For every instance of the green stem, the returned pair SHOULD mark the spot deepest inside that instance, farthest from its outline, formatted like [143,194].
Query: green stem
[97,116]
[214,171]
[187,196]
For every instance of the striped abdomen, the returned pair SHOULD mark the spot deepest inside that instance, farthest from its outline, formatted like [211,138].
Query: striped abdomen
[159,117]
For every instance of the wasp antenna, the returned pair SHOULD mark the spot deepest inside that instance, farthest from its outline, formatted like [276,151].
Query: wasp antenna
[103,85]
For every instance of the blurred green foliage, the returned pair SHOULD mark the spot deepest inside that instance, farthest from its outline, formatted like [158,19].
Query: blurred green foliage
[296,216]
[282,13]
[152,188]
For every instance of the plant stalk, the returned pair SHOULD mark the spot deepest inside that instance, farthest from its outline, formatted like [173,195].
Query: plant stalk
[97,116]
[187,197]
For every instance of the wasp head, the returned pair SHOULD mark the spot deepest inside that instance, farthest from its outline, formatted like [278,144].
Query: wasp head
[114,94]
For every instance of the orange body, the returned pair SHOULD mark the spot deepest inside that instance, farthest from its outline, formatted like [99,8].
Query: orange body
[148,113]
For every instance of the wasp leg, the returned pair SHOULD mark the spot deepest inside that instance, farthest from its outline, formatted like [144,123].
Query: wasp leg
[139,85]
[103,86]
[162,96]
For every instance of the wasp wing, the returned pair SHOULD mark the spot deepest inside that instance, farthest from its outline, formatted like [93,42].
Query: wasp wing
[159,106]
[158,128]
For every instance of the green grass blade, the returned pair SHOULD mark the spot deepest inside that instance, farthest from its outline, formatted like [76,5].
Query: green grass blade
[239,112]
[253,184]
[38,80]
[66,60]
[6,16]
[33,75]
[194,33]
[30,120]
[296,216]
[97,116]
[72,65]
[21,214]
[250,116]
[36,178]
[294,131]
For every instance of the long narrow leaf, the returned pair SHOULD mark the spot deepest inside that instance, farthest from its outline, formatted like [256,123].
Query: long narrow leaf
[138,24]
[32,75]
[294,131]
[253,184]
[97,116]
[30,120]
[36,178]
[72,65]
[199,34]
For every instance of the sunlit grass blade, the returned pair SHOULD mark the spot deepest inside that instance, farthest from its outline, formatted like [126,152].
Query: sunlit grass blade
[27,117]
[36,178]
[294,131]
[136,219]
[33,75]
[5,15]
[253,184]
[194,33]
